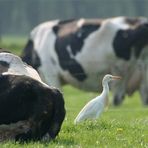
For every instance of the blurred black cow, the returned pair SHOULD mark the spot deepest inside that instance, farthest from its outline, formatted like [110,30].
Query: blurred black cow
[78,52]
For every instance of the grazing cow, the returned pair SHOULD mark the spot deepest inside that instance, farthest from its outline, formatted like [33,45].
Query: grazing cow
[29,108]
[77,52]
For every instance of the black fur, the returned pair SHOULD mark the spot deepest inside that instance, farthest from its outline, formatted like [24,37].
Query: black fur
[3,63]
[4,66]
[23,98]
[30,56]
[131,39]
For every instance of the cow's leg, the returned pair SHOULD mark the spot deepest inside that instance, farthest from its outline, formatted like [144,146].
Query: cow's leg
[144,93]
[128,86]
[125,70]
[119,87]
[119,93]
[143,90]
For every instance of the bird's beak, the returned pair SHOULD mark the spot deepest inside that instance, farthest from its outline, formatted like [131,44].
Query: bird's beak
[116,77]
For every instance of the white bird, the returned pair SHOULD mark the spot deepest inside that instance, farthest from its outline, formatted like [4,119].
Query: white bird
[95,107]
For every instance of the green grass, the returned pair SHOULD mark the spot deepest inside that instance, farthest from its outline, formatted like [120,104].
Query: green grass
[118,127]
[125,126]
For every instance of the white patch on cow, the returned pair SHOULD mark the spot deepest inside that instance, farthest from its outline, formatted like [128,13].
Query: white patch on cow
[95,44]
[80,22]
[120,22]
[16,64]
[70,52]
[33,73]
[18,67]
[99,40]
[37,33]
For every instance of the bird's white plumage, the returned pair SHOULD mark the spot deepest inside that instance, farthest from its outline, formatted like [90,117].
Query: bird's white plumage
[92,110]
[95,107]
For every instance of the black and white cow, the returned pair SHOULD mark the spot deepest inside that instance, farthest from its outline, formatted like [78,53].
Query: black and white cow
[29,108]
[78,52]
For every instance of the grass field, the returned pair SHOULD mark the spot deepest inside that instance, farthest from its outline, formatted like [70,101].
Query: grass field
[118,127]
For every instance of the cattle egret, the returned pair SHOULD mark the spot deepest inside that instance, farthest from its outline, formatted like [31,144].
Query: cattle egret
[94,108]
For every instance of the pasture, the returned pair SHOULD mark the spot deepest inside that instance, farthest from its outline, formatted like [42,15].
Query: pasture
[123,126]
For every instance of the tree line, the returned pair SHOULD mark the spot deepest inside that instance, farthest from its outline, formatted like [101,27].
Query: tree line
[20,16]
